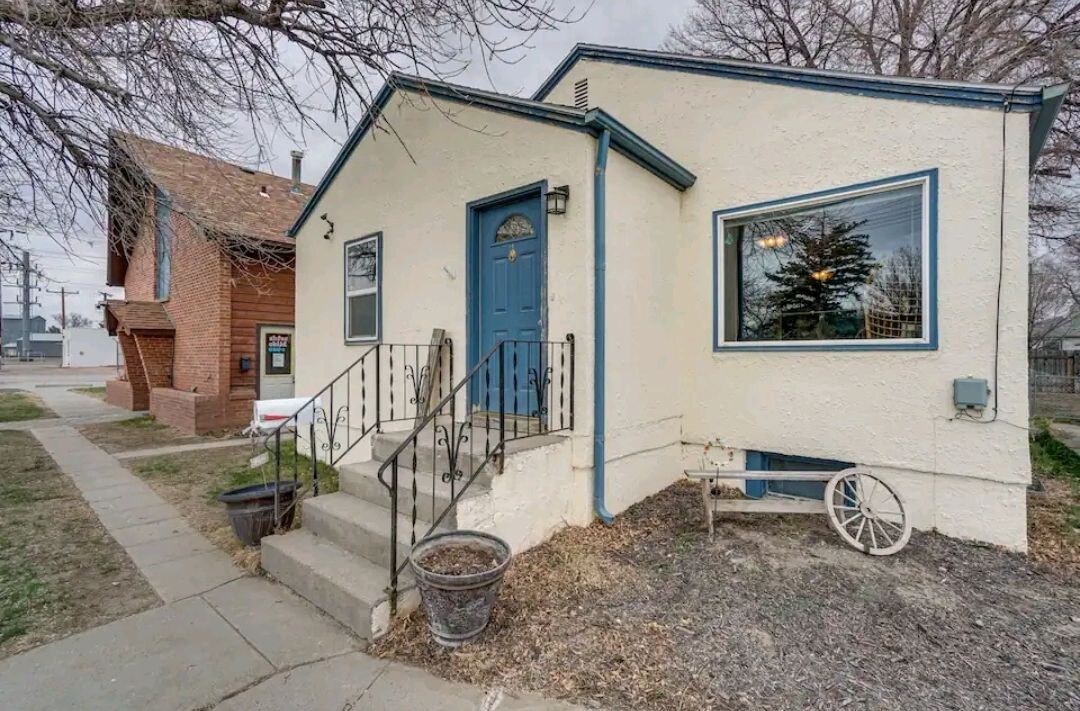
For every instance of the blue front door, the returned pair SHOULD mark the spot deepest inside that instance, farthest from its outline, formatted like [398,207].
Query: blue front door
[510,299]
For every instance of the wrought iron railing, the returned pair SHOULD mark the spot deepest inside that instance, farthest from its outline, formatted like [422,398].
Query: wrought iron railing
[388,383]
[518,389]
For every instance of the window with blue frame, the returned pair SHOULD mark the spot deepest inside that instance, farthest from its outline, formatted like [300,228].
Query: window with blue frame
[163,239]
[851,265]
[362,308]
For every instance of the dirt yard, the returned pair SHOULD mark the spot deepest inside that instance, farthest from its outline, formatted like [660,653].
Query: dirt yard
[191,481]
[773,613]
[141,433]
[60,571]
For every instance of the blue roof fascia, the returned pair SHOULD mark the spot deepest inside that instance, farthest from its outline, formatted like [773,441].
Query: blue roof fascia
[1024,98]
[595,122]
[633,146]
[1042,121]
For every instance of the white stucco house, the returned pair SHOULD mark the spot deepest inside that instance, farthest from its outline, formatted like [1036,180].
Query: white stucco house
[791,264]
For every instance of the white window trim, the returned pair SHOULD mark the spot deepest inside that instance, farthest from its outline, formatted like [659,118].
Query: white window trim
[926,180]
[376,289]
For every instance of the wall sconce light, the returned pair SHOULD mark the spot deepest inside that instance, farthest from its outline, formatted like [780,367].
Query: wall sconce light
[557,199]
[330,232]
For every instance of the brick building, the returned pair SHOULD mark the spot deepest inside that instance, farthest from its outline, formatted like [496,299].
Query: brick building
[199,246]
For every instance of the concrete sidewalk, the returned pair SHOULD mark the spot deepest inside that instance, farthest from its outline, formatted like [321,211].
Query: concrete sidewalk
[72,408]
[175,559]
[224,639]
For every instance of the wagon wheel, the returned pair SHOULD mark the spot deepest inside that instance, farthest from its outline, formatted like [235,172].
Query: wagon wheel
[867,513]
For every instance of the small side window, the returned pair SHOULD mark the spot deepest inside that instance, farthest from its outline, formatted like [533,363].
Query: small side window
[362,307]
[162,245]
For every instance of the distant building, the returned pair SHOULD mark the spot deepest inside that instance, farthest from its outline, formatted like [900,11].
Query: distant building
[11,329]
[42,345]
[1061,335]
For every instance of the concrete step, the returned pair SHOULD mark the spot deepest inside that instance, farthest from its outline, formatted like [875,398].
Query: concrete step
[347,587]
[430,448]
[360,527]
[432,454]
[361,480]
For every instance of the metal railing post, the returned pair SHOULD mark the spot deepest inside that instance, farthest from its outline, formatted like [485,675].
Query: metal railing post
[502,399]
[314,459]
[393,535]
[570,339]
[378,387]
[277,477]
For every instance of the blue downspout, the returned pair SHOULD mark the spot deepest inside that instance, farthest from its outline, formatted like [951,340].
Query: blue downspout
[599,326]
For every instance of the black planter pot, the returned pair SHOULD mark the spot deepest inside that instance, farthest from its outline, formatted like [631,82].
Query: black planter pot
[251,509]
[458,607]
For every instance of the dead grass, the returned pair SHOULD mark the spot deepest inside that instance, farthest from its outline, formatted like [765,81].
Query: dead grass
[141,433]
[1054,504]
[96,391]
[60,571]
[773,613]
[191,481]
[19,405]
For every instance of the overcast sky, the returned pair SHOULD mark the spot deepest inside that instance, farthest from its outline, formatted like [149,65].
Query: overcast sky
[630,23]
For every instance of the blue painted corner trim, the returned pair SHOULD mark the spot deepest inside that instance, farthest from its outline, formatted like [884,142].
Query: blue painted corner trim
[931,342]
[594,122]
[1041,122]
[600,324]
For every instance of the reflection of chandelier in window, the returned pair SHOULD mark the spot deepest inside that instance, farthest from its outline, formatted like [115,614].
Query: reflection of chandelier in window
[774,241]
[514,227]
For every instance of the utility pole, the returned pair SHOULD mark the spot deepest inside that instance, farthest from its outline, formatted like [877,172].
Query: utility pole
[64,293]
[25,305]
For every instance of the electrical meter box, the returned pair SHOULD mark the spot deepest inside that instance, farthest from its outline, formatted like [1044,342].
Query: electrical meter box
[970,393]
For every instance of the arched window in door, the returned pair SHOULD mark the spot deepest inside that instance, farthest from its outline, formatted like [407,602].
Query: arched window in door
[516,226]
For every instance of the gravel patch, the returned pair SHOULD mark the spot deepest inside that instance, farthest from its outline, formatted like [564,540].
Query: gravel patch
[772,613]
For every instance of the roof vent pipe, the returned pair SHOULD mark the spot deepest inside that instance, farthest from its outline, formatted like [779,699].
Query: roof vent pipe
[297,158]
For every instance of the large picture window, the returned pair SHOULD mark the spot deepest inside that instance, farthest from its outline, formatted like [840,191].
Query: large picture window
[843,268]
[362,308]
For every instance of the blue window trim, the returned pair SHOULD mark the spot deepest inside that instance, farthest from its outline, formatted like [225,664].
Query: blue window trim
[762,461]
[472,260]
[930,343]
[359,340]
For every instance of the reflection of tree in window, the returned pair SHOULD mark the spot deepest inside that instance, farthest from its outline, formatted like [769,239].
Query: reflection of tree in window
[818,263]
[850,269]
[894,297]
[362,262]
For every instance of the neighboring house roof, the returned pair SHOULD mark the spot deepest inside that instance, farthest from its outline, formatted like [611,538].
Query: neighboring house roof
[1061,327]
[143,316]
[219,196]
[1042,103]
[594,121]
